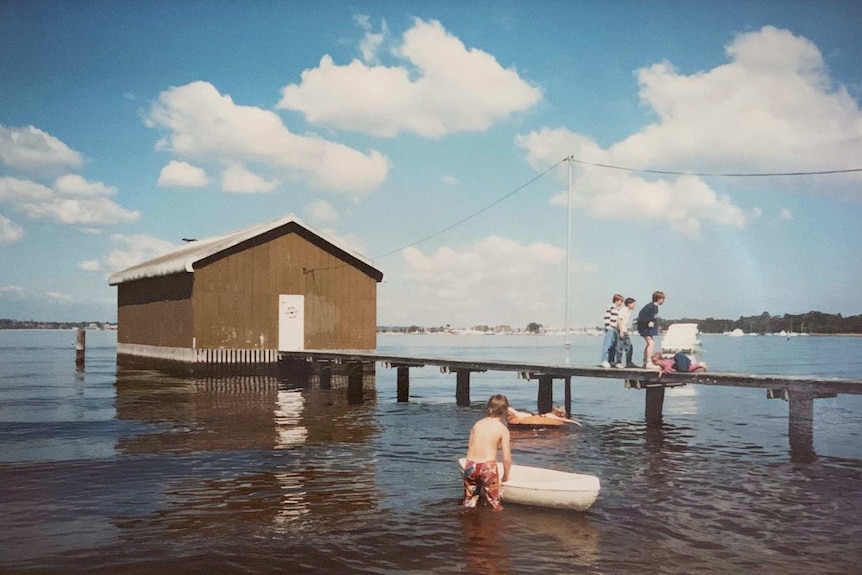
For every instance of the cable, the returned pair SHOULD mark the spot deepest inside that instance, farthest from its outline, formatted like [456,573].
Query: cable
[473,215]
[707,174]
[611,167]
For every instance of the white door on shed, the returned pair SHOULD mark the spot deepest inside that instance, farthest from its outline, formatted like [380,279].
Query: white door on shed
[291,322]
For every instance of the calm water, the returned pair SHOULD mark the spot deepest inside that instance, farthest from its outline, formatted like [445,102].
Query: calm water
[140,472]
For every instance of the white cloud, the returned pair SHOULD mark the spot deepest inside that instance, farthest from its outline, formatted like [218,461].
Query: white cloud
[772,109]
[77,186]
[519,284]
[72,200]
[15,191]
[785,215]
[182,175]
[205,125]
[58,297]
[31,149]
[321,212]
[90,266]
[10,232]
[130,250]
[440,88]
[13,292]
[684,202]
[237,179]
[371,42]
[351,242]
[451,180]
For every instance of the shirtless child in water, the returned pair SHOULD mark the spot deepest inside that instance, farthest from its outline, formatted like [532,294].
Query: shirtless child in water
[480,472]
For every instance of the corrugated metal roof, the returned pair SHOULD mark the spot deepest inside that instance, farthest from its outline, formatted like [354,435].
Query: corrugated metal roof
[184,258]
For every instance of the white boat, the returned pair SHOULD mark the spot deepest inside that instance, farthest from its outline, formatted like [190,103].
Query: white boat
[542,487]
[681,337]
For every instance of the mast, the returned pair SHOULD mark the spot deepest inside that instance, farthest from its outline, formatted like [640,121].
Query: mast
[568,252]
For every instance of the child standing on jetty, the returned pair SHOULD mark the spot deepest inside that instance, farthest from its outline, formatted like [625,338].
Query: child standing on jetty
[646,325]
[480,472]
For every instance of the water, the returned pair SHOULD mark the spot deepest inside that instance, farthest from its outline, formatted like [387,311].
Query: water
[142,472]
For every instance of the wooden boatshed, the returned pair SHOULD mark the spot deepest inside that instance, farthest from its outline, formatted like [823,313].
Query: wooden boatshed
[241,297]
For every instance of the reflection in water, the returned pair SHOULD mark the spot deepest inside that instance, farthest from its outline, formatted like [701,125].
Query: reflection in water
[682,400]
[569,534]
[288,415]
[188,423]
[148,473]
[481,543]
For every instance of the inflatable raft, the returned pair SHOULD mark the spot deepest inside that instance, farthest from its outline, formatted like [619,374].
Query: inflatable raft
[542,487]
[536,421]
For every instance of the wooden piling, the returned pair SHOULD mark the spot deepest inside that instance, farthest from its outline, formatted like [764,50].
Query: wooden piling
[462,387]
[800,426]
[403,391]
[567,397]
[326,376]
[654,405]
[545,400]
[354,382]
[80,349]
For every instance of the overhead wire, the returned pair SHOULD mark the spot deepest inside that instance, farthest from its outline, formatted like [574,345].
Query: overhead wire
[473,215]
[713,174]
[610,167]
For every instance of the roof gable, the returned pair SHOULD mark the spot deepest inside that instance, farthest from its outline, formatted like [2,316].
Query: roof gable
[184,259]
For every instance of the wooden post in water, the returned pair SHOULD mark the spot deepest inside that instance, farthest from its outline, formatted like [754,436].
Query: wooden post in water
[80,349]
[326,376]
[800,426]
[354,382]
[654,405]
[545,401]
[403,389]
[567,401]
[462,388]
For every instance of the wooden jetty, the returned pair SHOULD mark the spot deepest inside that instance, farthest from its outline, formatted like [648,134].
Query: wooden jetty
[799,391]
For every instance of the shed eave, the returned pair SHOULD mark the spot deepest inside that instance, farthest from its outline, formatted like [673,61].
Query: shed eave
[185,258]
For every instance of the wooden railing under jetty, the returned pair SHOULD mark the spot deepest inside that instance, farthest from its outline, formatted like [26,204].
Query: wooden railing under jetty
[799,391]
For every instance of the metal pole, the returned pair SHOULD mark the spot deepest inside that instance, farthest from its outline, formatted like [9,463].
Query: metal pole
[80,349]
[568,252]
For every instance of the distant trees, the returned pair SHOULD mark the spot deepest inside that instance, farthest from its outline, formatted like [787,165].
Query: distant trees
[32,324]
[534,327]
[811,322]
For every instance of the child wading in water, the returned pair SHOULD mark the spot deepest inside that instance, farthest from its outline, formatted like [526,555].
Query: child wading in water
[480,472]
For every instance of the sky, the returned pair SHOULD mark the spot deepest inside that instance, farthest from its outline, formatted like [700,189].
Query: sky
[485,156]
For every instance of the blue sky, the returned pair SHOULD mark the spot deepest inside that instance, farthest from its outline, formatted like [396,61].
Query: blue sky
[126,126]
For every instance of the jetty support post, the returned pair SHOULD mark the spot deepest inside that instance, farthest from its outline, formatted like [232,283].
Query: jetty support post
[326,376]
[545,393]
[654,405]
[403,379]
[567,396]
[403,390]
[800,421]
[462,387]
[545,399]
[462,383]
[80,348]
[354,382]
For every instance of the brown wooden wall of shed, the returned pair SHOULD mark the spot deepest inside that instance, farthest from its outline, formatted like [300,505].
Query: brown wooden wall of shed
[235,301]
[156,311]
